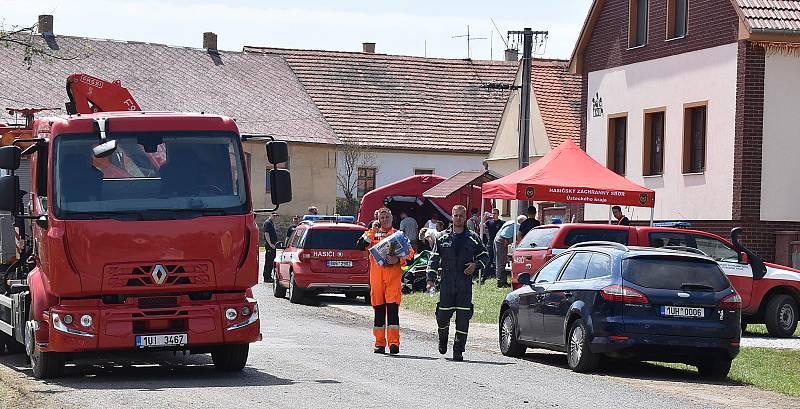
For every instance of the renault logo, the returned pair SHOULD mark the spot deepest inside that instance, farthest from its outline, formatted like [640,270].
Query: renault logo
[159,274]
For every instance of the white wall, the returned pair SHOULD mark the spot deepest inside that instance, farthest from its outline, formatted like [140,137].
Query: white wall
[396,165]
[705,75]
[780,194]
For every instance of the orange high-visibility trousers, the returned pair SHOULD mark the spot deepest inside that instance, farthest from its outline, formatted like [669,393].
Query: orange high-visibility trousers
[385,284]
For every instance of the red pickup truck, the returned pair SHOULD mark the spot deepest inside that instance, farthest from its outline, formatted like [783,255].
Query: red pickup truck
[770,293]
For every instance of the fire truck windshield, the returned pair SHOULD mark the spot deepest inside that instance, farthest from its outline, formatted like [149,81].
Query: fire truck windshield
[149,176]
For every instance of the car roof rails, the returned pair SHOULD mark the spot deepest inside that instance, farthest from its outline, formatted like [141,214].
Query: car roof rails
[618,246]
[675,224]
[687,249]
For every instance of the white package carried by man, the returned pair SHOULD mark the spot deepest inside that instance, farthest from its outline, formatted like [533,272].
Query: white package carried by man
[396,244]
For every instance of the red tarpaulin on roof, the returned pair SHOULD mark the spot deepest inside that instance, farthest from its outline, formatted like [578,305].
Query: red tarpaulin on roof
[568,174]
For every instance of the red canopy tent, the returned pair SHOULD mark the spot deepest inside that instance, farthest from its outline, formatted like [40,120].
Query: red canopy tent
[568,174]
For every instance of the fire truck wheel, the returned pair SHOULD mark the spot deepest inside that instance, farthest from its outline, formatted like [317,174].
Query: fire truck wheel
[43,364]
[295,293]
[229,358]
[781,316]
[277,289]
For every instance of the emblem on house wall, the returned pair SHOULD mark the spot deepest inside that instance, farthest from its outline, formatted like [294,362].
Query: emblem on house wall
[597,105]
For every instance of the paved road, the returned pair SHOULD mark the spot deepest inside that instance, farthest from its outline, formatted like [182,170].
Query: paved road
[317,356]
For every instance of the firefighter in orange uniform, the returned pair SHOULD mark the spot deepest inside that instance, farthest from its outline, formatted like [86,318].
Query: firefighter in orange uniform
[385,282]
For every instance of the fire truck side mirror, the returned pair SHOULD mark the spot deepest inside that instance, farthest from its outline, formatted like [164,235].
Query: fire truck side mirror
[9,193]
[277,152]
[280,186]
[9,157]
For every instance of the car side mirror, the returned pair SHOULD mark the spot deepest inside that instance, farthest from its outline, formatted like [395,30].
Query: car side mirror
[9,193]
[280,181]
[743,258]
[277,152]
[524,279]
[9,157]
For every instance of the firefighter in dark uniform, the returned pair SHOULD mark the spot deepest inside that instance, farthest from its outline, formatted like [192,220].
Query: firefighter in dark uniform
[458,254]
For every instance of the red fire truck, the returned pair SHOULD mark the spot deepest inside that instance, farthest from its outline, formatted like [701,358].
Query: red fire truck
[136,231]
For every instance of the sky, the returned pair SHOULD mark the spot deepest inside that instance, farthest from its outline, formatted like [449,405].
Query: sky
[415,27]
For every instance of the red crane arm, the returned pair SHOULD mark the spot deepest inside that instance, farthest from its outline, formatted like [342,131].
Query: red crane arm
[88,94]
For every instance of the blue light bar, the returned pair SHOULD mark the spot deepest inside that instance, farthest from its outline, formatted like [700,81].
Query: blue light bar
[328,218]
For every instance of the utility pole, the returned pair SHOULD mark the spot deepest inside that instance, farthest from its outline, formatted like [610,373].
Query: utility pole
[525,99]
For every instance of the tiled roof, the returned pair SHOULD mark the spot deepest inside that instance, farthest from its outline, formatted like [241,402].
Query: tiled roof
[760,15]
[558,94]
[403,102]
[259,91]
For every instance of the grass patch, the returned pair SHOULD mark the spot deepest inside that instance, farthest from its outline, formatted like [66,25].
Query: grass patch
[486,298]
[775,370]
[761,329]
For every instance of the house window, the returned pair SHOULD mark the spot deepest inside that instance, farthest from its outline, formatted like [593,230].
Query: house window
[653,143]
[637,23]
[284,165]
[694,139]
[423,171]
[617,134]
[366,180]
[677,17]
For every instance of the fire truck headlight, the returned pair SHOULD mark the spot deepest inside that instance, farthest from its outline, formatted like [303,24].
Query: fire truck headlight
[231,314]
[86,321]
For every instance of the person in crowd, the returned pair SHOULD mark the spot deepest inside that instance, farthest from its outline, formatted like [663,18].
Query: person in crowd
[474,222]
[375,224]
[432,223]
[385,282]
[459,254]
[501,242]
[622,220]
[492,226]
[410,228]
[292,227]
[529,223]
[270,238]
[312,210]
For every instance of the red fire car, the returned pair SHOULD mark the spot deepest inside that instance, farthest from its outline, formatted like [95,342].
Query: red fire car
[770,292]
[321,257]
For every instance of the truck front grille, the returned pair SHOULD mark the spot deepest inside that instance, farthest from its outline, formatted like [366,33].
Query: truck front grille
[169,275]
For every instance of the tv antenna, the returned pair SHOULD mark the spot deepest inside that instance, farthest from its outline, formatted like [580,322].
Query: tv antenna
[469,39]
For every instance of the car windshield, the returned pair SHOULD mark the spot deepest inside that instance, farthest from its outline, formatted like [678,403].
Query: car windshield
[538,238]
[333,239]
[674,273]
[576,236]
[149,174]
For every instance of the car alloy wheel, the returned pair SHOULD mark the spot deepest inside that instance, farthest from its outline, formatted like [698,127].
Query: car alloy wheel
[576,341]
[507,332]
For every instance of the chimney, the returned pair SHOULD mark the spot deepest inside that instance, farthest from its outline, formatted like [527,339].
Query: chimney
[210,41]
[45,24]
[368,48]
[512,54]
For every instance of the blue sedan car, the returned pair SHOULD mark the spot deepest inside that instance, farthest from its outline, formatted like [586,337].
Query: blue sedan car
[601,298]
